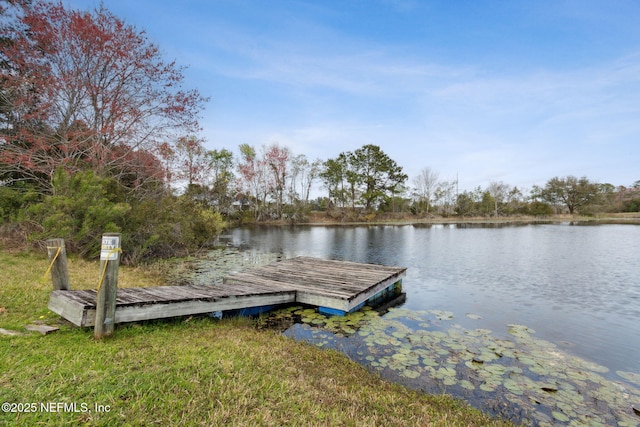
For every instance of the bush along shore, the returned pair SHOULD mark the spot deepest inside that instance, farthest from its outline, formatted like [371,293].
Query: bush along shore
[186,371]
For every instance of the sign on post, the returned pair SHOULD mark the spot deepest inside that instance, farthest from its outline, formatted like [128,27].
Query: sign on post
[110,247]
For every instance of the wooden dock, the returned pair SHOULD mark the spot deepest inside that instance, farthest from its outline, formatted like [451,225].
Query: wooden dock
[336,287]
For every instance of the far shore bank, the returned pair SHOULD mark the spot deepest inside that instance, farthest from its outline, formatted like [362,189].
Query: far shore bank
[322,219]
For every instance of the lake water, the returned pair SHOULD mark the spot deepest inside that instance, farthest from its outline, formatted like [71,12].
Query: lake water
[576,287]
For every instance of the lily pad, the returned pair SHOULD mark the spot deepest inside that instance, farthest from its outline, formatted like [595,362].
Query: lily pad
[409,373]
[629,376]
[486,356]
[442,315]
[446,372]
[427,361]
[489,386]
[449,381]
[496,370]
[456,346]
[521,331]
[513,387]
[468,385]
[560,416]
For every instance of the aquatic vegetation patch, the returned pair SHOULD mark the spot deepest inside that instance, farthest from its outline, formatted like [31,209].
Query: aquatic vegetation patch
[215,265]
[517,376]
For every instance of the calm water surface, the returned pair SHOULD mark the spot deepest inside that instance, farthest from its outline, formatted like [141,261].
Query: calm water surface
[539,324]
[576,286]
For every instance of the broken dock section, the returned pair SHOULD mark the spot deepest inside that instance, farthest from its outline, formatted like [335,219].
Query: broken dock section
[335,287]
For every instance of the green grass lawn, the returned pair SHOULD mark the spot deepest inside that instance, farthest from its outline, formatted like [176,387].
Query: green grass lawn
[189,371]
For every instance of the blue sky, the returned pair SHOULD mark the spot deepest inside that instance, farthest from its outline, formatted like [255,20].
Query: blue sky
[517,91]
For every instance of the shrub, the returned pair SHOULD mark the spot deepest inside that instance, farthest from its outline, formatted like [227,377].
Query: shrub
[84,206]
[632,205]
[79,211]
[540,208]
[168,226]
[13,198]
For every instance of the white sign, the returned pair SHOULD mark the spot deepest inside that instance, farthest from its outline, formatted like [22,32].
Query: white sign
[110,248]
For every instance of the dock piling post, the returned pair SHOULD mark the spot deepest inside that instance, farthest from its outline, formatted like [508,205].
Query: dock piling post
[57,254]
[108,285]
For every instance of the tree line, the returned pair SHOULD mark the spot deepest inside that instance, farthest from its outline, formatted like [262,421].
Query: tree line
[272,183]
[98,134]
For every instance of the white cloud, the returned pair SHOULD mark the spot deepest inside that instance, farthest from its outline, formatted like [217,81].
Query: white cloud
[518,126]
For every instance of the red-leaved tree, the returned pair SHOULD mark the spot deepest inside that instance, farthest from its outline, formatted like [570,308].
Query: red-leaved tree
[84,90]
[277,160]
[253,179]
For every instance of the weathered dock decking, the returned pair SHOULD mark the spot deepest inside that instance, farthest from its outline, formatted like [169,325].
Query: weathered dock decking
[337,287]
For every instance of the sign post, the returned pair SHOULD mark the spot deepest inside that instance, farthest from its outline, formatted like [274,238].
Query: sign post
[107,286]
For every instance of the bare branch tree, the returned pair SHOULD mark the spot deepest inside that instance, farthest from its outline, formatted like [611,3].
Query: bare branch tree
[498,190]
[425,185]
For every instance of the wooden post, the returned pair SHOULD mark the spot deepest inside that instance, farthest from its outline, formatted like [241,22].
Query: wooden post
[58,259]
[108,285]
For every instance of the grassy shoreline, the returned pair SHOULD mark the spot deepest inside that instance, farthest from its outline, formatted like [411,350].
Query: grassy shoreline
[189,371]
